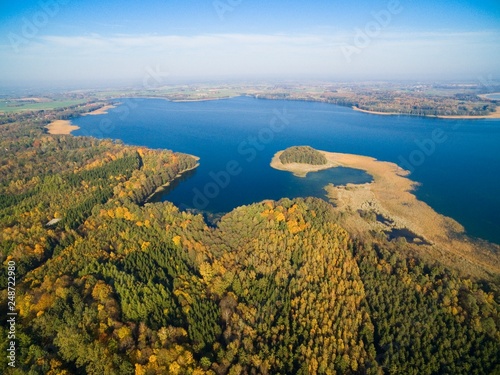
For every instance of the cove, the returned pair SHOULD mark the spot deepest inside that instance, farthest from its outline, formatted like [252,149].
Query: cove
[459,177]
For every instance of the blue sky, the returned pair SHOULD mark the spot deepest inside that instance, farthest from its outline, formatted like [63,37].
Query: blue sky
[59,40]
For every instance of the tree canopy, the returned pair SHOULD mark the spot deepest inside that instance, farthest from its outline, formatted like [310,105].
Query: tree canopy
[302,154]
[120,286]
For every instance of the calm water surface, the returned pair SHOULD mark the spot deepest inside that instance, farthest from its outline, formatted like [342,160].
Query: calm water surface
[456,162]
[494,96]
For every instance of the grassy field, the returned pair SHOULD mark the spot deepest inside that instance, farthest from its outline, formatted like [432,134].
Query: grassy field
[174,92]
[10,106]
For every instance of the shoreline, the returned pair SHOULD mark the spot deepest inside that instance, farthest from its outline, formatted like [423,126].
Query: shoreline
[200,100]
[357,109]
[101,111]
[161,188]
[390,195]
[493,115]
[299,169]
[177,100]
[61,127]
[65,127]
[486,96]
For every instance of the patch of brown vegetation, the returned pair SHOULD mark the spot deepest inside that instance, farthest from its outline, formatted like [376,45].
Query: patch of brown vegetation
[300,169]
[389,195]
[61,127]
[101,111]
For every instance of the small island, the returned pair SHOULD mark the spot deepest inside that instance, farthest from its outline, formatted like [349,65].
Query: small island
[301,160]
[302,154]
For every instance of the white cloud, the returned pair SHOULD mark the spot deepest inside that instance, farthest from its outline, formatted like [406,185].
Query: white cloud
[175,41]
[127,56]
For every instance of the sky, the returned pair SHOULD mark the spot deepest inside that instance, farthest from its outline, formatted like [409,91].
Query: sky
[158,42]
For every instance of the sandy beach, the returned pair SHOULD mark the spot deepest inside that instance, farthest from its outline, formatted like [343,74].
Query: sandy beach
[61,127]
[487,96]
[377,113]
[390,195]
[101,111]
[494,115]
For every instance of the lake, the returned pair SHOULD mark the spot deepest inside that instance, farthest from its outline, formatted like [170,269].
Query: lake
[493,96]
[456,162]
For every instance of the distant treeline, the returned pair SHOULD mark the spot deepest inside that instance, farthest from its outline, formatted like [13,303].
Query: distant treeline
[387,102]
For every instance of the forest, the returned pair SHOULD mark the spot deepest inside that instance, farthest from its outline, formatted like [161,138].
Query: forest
[302,154]
[120,286]
[397,98]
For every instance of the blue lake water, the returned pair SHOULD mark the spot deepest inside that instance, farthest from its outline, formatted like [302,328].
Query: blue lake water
[456,162]
[494,96]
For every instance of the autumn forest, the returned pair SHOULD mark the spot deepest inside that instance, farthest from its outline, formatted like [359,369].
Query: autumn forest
[109,284]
